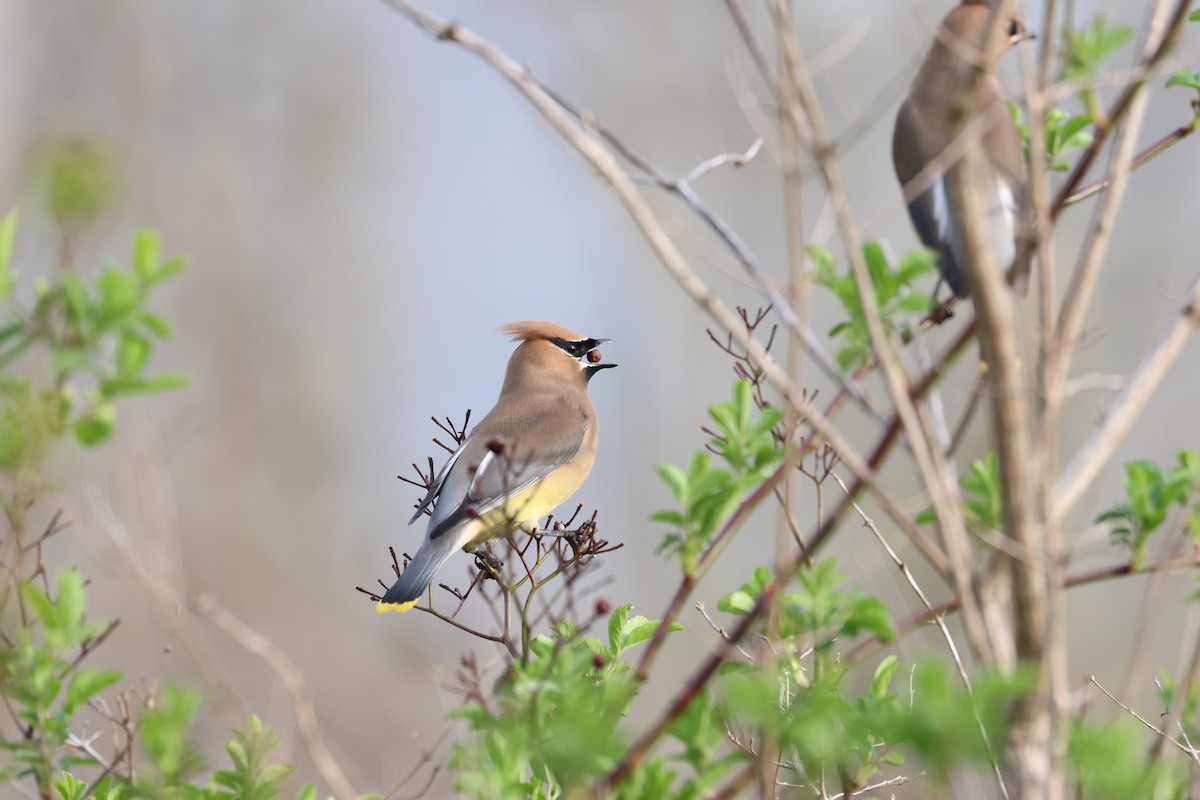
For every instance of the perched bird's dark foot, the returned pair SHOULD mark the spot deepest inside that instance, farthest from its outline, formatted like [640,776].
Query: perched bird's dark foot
[942,312]
[488,562]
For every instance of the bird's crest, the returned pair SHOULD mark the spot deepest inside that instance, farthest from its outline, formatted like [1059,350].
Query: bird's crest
[531,330]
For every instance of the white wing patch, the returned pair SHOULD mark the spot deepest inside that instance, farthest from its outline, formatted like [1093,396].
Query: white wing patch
[1004,224]
[941,214]
[1009,204]
[484,463]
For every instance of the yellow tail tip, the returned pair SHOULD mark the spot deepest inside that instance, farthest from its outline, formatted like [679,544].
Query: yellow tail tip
[383,608]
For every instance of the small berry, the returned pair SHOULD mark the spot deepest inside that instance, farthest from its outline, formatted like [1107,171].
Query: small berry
[603,606]
[496,444]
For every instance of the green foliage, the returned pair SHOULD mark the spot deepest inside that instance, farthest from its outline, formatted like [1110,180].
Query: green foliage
[816,615]
[707,495]
[551,722]
[898,300]
[1087,48]
[1085,51]
[8,233]
[87,344]
[1185,77]
[42,678]
[983,500]
[1152,493]
[1109,762]
[823,731]
[163,731]
[1064,134]
[942,726]
[96,338]
[76,178]
[700,731]
[1189,79]
[251,776]
[830,734]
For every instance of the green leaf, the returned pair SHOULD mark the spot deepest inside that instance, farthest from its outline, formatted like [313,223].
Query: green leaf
[914,303]
[884,673]
[163,731]
[1189,78]
[1088,47]
[69,787]
[8,277]
[169,269]
[145,254]
[133,351]
[96,425]
[70,599]
[154,324]
[639,629]
[87,684]
[739,602]
[675,478]
[76,294]
[113,387]
[616,624]
[65,360]
[120,293]
[42,605]
[77,178]
[674,518]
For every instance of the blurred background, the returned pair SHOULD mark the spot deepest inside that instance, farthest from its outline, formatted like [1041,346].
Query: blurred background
[362,207]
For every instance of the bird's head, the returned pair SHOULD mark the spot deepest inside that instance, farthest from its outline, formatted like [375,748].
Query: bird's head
[553,351]
[967,24]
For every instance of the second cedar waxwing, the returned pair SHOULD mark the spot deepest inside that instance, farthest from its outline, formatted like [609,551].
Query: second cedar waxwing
[925,132]
[529,454]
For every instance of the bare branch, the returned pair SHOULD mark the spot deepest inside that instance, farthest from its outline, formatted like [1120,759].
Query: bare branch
[1128,405]
[1157,731]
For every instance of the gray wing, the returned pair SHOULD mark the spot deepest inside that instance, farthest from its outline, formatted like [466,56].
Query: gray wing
[435,488]
[914,145]
[497,476]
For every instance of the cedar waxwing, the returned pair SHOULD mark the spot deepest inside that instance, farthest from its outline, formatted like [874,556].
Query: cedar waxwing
[925,128]
[529,454]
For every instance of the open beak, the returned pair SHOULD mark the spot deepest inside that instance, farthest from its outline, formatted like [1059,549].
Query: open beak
[592,369]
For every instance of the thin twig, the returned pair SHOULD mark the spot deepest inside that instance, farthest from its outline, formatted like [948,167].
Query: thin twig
[1128,405]
[1184,748]
[914,621]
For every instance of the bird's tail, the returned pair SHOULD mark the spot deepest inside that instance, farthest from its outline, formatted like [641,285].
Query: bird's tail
[407,590]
